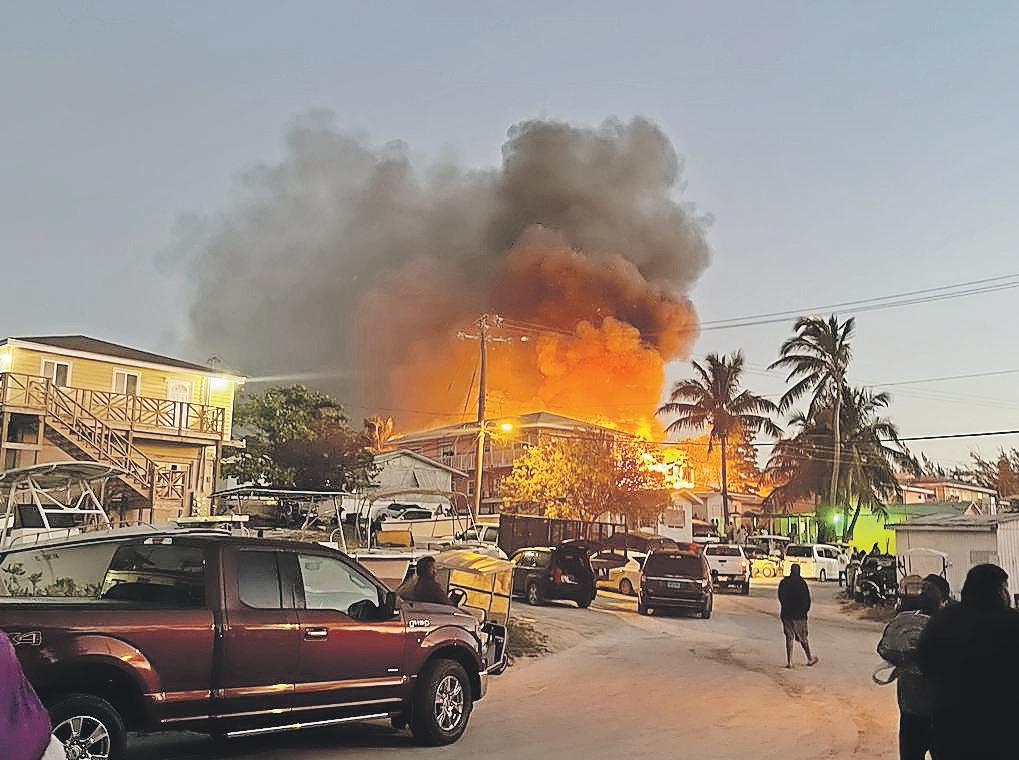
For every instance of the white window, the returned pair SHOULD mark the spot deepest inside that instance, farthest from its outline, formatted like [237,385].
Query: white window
[125,382]
[59,373]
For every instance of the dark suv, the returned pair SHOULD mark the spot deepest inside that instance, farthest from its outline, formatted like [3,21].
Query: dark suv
[562,572]
[675,579]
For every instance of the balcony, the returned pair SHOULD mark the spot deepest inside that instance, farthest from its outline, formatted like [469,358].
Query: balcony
[31,394]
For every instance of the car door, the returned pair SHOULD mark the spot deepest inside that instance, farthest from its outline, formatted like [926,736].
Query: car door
[259,640]
[523,562]
[351,655]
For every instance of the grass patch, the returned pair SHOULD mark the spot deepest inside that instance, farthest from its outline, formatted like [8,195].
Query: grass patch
[525,640]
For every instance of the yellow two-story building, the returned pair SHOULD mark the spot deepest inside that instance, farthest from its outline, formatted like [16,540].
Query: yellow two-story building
[165,421]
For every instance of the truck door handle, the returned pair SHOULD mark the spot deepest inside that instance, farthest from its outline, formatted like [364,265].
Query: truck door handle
[316,633]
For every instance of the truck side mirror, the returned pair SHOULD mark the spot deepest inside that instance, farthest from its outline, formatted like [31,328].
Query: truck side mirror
[389,605]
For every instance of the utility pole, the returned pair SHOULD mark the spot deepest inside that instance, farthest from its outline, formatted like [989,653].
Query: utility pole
[483,337]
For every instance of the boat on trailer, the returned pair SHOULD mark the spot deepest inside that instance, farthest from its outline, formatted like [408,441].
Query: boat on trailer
[53,502]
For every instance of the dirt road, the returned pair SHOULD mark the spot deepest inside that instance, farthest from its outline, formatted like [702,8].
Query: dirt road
[620,685]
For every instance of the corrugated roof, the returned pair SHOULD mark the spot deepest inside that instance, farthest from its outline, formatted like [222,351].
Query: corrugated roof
[957,521]
[386,456]
[89,345]
[530,420]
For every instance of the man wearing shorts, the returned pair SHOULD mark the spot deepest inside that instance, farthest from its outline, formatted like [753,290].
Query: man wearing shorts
[794,596]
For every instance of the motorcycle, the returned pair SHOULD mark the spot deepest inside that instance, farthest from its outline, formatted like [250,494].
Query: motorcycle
[877,580]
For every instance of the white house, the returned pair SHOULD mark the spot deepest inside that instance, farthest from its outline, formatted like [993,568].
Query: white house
[403,469]
[966,540]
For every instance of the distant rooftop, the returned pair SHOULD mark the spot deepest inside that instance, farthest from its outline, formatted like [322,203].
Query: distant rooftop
[926,482]
[85,344]
[957,522]
[548,420]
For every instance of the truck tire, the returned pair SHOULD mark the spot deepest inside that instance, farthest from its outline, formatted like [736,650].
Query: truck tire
[642,609]
[821,576]
[442,704]
[90,724]
[585,603]
[745,589]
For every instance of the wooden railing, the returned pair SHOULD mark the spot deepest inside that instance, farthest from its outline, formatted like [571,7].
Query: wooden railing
[171,484]
[119,409]
[97,439]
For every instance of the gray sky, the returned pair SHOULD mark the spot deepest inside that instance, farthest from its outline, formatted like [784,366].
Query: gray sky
[843,150]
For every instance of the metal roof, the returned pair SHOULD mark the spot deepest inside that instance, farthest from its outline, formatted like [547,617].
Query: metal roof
[956,522]
[57,474]
[85,344]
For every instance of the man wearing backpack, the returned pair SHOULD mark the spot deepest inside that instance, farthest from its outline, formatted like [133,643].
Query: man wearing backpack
[970,651]
[914,691]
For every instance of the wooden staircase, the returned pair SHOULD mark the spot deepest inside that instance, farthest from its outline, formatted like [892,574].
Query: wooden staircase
[91,438]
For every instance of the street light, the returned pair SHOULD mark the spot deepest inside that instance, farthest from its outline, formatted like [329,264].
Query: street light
[506,427]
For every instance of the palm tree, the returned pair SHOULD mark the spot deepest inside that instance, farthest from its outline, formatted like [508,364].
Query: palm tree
[713,399]
[802,464]
[817,358]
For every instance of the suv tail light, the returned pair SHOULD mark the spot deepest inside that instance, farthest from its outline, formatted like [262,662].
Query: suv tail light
[743,565]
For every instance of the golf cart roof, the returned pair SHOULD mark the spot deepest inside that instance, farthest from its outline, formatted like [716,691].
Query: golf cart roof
[250,492]
[57,474]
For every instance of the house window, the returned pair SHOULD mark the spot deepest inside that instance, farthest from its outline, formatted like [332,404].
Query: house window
[125,382]
[59,373]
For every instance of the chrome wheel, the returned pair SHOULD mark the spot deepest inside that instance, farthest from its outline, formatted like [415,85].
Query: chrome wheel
[625,587]
[533,597]
[84,738]
[449,703]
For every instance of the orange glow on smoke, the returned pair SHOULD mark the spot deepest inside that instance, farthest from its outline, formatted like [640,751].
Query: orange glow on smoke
[602,361]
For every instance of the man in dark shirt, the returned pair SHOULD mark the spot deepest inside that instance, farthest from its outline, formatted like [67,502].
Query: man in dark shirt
[970,651]
[794,598]
[423,587]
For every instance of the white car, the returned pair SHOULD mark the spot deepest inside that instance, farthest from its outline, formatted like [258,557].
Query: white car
[614,571]
[729,566]
[819,561]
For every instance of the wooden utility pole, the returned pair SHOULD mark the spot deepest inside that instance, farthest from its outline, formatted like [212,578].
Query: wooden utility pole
[483,337]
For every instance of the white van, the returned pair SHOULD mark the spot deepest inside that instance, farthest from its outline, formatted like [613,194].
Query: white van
[819,561]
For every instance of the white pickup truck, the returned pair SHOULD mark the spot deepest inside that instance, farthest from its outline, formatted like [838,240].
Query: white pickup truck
[729,566]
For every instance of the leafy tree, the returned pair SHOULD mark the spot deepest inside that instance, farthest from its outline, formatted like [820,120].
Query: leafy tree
[379,430]
[582,478]
[1000,474]
[817,358]
[802,464]
[299,438]
[715,400]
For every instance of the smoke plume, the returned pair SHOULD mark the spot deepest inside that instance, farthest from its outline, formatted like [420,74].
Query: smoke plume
[351,263]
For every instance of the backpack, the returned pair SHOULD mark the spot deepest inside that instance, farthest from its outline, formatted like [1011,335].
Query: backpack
[901,636]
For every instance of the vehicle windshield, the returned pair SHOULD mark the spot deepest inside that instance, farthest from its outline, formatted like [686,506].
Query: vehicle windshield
[799,551]
[682,565]
[722,551]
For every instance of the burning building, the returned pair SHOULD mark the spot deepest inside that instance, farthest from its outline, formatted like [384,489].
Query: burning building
[356,267]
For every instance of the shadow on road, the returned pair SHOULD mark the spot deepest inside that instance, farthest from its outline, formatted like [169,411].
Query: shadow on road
[312,742]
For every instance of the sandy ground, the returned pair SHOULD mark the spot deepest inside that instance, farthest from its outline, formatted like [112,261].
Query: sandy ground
[620,685]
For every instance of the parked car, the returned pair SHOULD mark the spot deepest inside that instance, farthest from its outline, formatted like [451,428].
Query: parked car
[232,636]
[729,566]
[488,534]
[640,542]
[762,564]
[819,561]
[618,571]
[564,572]
[676,580]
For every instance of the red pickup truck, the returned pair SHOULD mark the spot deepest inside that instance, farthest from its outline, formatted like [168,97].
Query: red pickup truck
[232,636]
